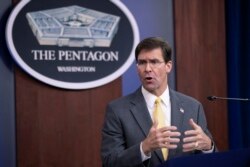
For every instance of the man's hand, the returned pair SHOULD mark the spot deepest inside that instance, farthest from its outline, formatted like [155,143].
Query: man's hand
[196,139]
[160,137]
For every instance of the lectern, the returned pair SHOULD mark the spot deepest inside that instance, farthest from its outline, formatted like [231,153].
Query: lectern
[233,158]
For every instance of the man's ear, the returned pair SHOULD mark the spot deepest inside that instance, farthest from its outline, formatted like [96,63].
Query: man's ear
[168,66]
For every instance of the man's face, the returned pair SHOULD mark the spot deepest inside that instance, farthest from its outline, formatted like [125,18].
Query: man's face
[153,70]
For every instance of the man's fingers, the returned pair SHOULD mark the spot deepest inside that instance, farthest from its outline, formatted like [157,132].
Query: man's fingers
[187,149]
[193,124]
[173,140]
[191,132]
[171,134]
[190,139]
[172,146]
[155,124]
[168,128]
[190,146]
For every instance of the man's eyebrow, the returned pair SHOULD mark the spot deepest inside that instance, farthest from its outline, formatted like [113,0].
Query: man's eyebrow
[148,59]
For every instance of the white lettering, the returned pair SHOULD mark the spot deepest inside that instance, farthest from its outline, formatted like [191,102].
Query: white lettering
[69,55]
[76,69]
[72,55]
[43,54]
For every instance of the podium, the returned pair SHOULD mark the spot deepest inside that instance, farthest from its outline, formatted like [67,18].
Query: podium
[233,158]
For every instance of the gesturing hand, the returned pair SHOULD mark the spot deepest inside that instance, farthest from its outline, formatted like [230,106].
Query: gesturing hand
[196,139]
[160,137]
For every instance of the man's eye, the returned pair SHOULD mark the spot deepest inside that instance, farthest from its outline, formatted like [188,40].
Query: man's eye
[141,62]
[154,62]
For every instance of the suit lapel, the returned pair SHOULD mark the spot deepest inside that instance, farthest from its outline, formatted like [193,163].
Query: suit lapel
[177,111]
[140,111]
[177,115]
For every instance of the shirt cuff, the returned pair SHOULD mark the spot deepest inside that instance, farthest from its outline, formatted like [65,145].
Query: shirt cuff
[209,151]
[143,156]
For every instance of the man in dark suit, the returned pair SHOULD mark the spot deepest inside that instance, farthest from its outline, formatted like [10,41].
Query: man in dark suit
[132,135]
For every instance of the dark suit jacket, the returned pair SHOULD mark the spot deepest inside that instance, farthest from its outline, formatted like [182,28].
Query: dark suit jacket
[128,122]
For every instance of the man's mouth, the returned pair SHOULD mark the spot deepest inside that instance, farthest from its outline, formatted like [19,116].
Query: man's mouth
[148,78]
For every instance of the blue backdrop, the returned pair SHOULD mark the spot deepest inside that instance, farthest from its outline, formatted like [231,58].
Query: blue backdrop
[150,20]
[238,63]
[7,107]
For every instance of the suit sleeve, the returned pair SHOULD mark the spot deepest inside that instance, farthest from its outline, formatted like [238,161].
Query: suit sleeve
[203,124]
[114,151]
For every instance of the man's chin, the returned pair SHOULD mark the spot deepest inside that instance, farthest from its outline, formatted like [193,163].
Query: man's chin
[149,88]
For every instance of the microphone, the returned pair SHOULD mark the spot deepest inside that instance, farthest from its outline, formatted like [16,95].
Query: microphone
[212,98]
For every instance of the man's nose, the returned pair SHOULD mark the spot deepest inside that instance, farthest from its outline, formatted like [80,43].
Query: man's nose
[148,67]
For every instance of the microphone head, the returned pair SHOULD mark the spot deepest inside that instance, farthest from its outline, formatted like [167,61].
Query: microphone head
[211,98]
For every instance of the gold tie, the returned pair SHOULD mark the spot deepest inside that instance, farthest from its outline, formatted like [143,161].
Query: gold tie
[159,116]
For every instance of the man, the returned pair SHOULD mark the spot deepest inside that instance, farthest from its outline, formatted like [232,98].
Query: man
[142,131]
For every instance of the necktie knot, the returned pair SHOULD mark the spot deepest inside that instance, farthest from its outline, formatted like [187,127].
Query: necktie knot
[157,101]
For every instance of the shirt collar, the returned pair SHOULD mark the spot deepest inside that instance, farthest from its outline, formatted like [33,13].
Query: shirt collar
[150,98]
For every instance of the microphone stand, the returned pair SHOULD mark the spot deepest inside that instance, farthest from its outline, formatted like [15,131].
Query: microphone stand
[212,98]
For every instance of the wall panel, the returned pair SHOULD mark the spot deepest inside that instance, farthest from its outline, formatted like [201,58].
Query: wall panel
[201,59]
[58,127]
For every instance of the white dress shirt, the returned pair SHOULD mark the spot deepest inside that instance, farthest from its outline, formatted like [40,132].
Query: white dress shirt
[165,106]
